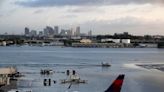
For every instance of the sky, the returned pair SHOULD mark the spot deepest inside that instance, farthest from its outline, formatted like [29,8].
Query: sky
[139,17]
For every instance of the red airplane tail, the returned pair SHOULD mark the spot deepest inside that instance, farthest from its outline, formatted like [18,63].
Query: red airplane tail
[117,84]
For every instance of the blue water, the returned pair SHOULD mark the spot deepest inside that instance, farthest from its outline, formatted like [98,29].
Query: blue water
[29,61]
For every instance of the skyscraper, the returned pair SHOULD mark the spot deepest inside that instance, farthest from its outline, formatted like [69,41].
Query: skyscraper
[27,31]
[49,31]
[77,33]
[56,30]
[71,32]
[45,32]
[63,32]
[33,33]
[40,33]
[90,33]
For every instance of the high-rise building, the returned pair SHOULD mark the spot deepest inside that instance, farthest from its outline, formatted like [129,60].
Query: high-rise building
[66,32]
[45,32]
[63,32]
[50,30]
[69,32]
[77,33]
[40,33]
[56,30]
[33,33]
[126,33]
[27,31]
[90,33]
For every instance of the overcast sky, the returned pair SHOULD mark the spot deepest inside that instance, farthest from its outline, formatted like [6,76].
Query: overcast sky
[102,16]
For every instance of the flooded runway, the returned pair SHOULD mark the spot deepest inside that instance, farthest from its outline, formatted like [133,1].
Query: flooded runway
[139,77]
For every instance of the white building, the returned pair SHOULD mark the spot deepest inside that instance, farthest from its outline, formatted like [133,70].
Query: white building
[116,40]
[4,43]
[127,41]
[85,41]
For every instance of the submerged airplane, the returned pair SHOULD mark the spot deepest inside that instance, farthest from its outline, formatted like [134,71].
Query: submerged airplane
[116,85]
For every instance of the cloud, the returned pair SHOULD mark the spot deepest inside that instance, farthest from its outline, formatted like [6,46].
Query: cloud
[85,9]
[69,16]
[49,3]
[1,15]
[126,24]
[1,1]
[38,11]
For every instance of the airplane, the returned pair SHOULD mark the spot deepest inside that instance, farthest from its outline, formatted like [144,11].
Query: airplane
[114,87]
[117,84]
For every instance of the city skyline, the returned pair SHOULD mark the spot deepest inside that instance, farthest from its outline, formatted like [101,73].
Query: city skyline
[139,17]
[56,30]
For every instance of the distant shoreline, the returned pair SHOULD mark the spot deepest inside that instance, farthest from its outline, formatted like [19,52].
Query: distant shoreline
[76,46]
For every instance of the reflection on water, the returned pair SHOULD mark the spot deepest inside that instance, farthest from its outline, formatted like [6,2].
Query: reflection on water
[86,61]
[152,66]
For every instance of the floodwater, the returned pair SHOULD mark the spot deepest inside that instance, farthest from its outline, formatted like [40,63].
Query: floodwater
[30,60]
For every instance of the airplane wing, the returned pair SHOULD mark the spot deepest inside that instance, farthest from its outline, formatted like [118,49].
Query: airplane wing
[117,84]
